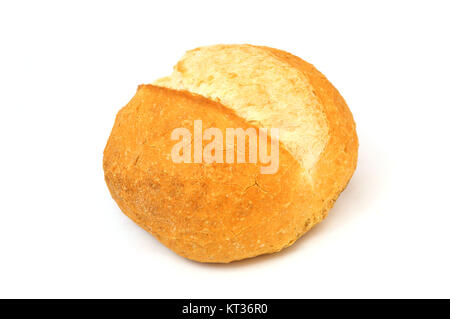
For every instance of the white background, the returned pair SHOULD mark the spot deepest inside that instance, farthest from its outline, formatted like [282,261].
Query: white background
[66,68]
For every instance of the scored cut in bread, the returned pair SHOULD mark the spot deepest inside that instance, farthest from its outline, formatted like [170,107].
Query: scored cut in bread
[221,212]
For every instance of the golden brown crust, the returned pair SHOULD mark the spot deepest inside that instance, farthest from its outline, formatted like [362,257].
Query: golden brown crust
[208,213]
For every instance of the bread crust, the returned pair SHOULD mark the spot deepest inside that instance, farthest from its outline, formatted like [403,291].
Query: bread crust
[223,212]
[205,212]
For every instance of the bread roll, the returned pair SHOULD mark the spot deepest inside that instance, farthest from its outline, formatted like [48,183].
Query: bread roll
[222,212]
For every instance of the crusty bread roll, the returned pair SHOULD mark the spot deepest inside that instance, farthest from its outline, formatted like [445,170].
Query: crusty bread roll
[221,212]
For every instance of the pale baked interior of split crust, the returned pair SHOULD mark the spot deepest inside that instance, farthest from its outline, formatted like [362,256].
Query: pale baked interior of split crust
[262,89]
